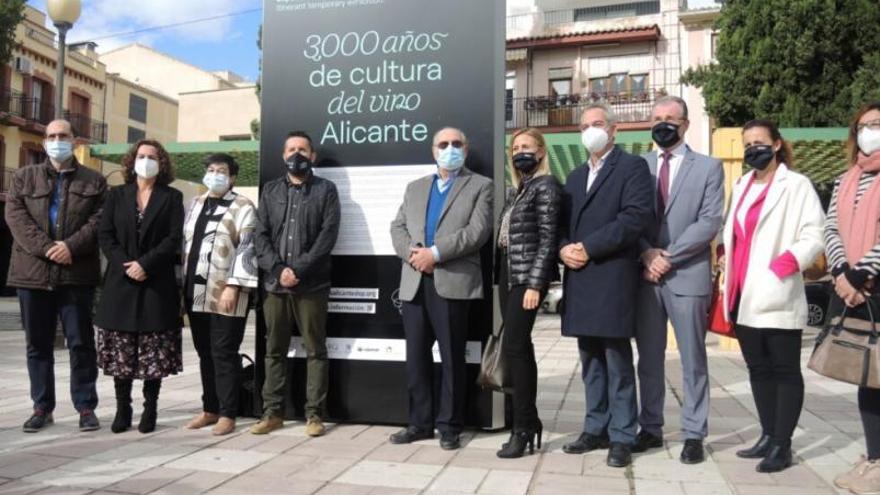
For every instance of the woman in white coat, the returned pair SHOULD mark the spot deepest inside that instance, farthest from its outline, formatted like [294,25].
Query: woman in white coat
[773,232]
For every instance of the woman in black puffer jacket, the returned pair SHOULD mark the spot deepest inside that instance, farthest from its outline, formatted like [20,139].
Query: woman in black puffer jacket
[525,266]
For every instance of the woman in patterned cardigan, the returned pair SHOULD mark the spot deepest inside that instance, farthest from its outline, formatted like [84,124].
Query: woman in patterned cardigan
[220,269]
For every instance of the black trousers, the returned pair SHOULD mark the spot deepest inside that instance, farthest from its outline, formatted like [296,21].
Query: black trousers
[429,317]
[519,352]
[40,311]
[217,339]
[773,357]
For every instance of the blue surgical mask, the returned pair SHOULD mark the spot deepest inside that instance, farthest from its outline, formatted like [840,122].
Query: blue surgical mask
[451,158]
[59,150]
[216,183]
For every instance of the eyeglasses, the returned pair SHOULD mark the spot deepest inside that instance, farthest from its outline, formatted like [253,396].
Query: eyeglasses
[874,125]
[445,144]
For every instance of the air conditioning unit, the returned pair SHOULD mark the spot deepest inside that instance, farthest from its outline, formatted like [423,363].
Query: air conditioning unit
[24,65]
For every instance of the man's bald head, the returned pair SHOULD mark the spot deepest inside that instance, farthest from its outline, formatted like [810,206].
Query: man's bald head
[59,129]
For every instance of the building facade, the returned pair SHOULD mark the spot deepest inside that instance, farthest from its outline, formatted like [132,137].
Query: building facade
[213,106]
[218,115]
[149,68]
[135,112]
[564,54]
[28,89]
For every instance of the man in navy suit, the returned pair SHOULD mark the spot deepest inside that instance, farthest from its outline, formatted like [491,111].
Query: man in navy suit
[607,205]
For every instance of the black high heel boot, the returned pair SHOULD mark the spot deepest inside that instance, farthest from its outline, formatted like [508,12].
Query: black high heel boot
[778,458]
[151,399]
[757,451]
[122,420]
[519,440]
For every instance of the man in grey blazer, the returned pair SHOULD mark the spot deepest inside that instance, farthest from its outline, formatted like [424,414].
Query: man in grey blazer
[443,222]
[677,285]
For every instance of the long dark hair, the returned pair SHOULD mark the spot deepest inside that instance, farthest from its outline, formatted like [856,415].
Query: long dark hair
[166,169]
[785,154]
[852,142]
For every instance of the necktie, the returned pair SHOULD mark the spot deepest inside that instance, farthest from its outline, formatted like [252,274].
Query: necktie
[663,185]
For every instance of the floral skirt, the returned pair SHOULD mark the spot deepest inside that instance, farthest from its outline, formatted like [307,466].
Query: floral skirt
[142,356]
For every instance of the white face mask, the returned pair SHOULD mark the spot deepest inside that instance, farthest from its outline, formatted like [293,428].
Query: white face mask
[146,168]
[869,140]
[216,183]
[594,139]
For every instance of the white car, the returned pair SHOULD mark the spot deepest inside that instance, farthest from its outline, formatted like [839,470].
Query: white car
[552,299]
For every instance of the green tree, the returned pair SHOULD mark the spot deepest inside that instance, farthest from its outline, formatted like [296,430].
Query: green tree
[803,63]
[11,15]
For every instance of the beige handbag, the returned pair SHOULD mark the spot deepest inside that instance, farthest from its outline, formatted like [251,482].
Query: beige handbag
[847,350]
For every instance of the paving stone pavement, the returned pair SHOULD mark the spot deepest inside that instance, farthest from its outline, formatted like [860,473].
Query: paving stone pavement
[357,459]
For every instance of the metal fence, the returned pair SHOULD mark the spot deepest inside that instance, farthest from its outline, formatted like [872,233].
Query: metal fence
[565,110]
[85,127]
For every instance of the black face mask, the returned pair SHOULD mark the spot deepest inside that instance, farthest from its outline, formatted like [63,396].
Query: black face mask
[759,156]
[298,165]
[665,134]
[525,162]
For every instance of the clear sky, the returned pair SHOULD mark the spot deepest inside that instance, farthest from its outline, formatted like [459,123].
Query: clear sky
[227,43]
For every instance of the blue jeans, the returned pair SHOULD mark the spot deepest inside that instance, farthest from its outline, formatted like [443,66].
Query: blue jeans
[40,310]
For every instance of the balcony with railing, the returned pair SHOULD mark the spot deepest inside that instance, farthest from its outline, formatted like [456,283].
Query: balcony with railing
[11,103]
[31,111]
[564,111]
[87,128]
[38,110]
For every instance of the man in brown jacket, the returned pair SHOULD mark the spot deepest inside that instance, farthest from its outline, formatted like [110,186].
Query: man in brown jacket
[53,210]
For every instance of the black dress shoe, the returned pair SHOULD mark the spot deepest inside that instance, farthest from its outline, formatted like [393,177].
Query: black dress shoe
[777,459]
[586,443]
[450,441]
[88,421]
[37,421]
[692,453]
[757,451]
[645,441]
[410,434]
[619,455]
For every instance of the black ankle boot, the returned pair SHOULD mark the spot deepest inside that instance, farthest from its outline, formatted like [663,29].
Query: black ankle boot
[151,399]
[518,442]
[757,451]
[122,420]
[777,459]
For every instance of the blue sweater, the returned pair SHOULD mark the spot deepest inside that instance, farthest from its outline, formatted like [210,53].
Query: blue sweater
[432,216]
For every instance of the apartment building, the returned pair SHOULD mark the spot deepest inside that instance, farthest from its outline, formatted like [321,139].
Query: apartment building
[563,54]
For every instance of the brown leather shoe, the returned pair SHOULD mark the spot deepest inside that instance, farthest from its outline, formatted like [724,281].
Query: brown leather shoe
[224,426]
[266,425]
[202,420]
[314,427]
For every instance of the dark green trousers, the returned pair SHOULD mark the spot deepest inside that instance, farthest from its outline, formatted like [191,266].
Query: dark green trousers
[309,313]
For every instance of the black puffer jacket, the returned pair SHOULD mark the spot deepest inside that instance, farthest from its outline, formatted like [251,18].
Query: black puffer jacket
[531,247]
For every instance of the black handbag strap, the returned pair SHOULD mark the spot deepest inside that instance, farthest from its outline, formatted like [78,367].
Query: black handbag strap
[869,304]
[497,333]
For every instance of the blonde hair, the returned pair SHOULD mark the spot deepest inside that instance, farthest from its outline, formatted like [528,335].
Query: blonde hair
[543,166]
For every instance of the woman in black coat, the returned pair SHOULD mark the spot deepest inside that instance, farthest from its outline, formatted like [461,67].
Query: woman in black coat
[526,264]
[138,318]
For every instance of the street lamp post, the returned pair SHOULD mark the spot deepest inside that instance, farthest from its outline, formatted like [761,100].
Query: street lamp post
[63,14]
